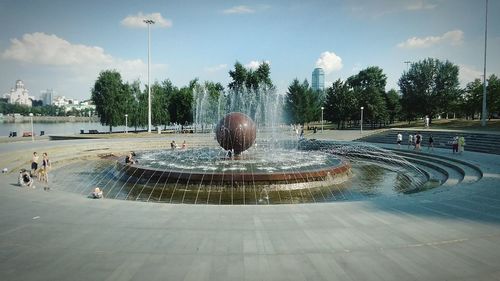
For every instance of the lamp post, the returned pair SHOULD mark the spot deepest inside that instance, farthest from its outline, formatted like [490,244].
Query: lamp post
[322,108]
[149,23]
[484,113]
[32,133]
[126,123]
[362,120]
[407,64]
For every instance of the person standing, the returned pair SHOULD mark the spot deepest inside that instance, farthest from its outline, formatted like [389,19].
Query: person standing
[431,143]
[34,164]
[45,167]
[461,144]
[410,140]
[399,139]
[454,144]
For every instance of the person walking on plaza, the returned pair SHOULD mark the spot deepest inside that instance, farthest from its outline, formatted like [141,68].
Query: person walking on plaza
[431,143]
[410,140]
[399,139]
[418,141]
[461,144]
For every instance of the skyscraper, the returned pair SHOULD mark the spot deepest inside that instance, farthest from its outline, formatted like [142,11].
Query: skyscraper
[318,79]
[47,96]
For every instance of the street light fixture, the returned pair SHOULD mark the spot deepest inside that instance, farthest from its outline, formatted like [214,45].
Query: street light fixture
[126,123]
[149,23]
[322,108]
[407,64]
[32,131]
[362,120]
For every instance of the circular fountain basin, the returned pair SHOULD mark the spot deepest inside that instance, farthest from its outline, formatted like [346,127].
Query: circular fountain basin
[211,166]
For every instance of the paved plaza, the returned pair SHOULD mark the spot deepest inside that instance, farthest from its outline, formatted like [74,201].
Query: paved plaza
[447,233]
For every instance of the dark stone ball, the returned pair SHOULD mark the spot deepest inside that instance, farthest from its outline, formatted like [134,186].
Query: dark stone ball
[236,131]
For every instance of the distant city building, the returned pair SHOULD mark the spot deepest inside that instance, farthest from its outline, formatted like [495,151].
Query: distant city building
[19,95]
[47,96]
[318,79]
[63,101]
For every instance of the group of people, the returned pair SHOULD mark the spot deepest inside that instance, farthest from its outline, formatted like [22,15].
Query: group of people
[173,145]
[415,141]
[458,144]
[38,170]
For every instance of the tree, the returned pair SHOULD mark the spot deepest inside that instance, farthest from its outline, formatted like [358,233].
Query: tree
[301,103]
[369,89]
[180,104]
[493,99]
[393,103]
[340,103]
[250,91]
[429,87]
[109,97]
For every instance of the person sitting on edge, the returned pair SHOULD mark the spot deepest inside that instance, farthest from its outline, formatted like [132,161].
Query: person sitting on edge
[97,193]
[129,159]
[173,145]
[25,179]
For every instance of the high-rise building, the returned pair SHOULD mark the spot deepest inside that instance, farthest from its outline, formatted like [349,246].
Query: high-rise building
[318,79]
[47,96]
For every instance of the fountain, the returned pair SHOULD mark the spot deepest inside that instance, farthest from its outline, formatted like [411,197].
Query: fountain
[258,162]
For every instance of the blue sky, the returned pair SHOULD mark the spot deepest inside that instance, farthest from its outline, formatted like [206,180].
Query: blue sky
[64,44]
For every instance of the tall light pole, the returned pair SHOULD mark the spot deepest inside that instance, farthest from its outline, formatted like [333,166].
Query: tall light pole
[407,64]
[362,120]
[32,131]
[484,113]
[149,23]
[322,108]
[126,123]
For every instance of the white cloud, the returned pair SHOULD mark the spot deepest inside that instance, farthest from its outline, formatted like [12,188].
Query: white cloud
[379,8]
[215,68]
[453,37]
[138,20]
[329,61]
[73,61]
[41,48]
[239,10]
[255,64]
[468,74]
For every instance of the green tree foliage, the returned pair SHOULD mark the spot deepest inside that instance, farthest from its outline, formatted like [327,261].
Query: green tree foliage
[369,89]
[493,96]
[180,104]
[339,104]
[302,105]
[45,110]
[110,97]
[429,87]
[137,106]
[250,91]
[393,103]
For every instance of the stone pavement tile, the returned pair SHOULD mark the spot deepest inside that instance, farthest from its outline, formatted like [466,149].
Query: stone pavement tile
[370,265]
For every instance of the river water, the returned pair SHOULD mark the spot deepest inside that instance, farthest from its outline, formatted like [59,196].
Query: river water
[54,128]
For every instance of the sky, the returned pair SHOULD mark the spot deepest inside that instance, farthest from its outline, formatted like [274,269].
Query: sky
[63,45]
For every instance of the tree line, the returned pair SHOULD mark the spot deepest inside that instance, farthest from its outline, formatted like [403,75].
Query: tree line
[430,87]
[196,102]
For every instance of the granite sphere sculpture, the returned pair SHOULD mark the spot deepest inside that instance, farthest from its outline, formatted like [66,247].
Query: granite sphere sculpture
[236,131]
